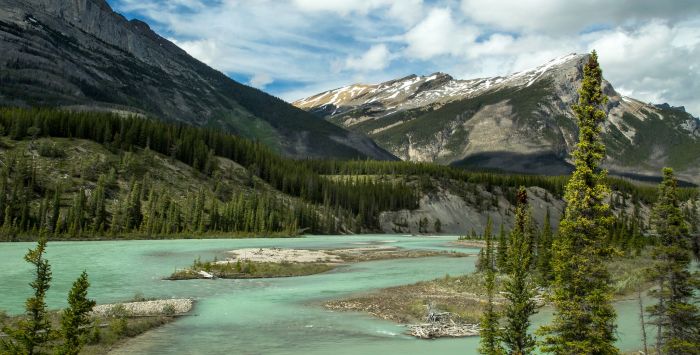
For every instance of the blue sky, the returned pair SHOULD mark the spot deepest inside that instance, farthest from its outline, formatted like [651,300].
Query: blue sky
[649,49]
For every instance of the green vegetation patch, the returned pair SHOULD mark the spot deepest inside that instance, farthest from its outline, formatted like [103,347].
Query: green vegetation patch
[105,332]
[248,270]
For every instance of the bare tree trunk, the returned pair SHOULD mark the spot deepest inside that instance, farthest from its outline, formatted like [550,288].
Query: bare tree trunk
[660,318]
[641,319]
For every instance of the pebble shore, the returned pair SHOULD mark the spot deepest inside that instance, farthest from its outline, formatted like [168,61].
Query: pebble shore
[147,308]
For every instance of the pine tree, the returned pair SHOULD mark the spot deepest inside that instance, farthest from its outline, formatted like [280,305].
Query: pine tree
[675,315]
[481,261]
[488,238]
[34,331]
[544,254]
[502,250]
[518,286]
[133,207]
[3,192]
[489,333]
[75,319]
[584,319]
[98,205]
[55,211]
[437,225]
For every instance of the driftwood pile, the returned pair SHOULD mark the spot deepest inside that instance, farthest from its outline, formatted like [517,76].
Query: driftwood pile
[441,324]
[440,330]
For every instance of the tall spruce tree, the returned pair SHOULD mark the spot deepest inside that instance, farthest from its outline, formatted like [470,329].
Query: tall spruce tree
[489,334]
[488,238]
[544,252]
[502,250]
[584,319]
[55,210]
[133,207]
[35,330]
[519,287]
[75,319]
[675,315]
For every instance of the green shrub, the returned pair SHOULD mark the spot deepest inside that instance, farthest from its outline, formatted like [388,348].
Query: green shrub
[169,310]
[118,326]
[118,311]
[139,297]
[94,336]
[49,149]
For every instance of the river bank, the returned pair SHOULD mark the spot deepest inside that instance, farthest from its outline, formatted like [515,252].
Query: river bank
[462,298]
[111,325]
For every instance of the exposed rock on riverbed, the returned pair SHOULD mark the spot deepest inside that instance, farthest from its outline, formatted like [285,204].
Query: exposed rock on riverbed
[277,255]
[147,308]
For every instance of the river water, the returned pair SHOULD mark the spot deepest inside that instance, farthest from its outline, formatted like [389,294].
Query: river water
[266,316]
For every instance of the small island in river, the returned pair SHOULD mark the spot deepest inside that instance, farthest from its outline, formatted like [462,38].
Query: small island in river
[276,262]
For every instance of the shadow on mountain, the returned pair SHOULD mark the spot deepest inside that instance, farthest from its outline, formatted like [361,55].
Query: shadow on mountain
[538,163]
[651,179]
[541,164]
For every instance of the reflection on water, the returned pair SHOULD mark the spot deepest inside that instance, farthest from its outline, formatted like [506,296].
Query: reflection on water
[271,316]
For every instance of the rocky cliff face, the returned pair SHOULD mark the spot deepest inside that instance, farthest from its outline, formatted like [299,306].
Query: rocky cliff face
[81,54]
[521,122]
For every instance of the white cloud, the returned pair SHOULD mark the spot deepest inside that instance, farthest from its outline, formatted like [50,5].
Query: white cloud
[341,7]
[648,48]
[566,17]
[205,49]
[407,11]
[652,63]
[438,34]
[376,58]
[260,80]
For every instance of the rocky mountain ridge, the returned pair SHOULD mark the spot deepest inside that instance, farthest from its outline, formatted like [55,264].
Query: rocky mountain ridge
[521,122]
[418,91]
[82,55]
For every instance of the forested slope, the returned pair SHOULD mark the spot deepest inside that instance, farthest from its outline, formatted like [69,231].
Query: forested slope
[105,175]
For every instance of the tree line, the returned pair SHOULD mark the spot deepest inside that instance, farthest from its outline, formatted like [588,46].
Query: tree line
[199,147]
[145,209]
[636,193]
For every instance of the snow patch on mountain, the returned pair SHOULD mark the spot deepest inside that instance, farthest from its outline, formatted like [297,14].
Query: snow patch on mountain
[418,91]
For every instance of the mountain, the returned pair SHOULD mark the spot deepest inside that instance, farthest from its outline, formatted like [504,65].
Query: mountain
[82,55]
[521,122]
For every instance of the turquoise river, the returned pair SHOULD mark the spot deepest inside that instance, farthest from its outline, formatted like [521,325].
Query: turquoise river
[265,316]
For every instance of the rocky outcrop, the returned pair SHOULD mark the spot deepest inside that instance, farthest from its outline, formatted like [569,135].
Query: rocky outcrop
[457,216]
[80,53]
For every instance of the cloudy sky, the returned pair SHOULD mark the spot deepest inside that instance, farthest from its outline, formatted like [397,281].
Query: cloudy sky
[649,49]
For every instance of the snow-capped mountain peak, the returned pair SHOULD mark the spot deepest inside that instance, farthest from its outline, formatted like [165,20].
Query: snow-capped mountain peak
[520,122]
[416,91]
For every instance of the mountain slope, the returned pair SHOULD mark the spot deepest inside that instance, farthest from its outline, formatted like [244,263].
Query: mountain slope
[83,55]
[521,122]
